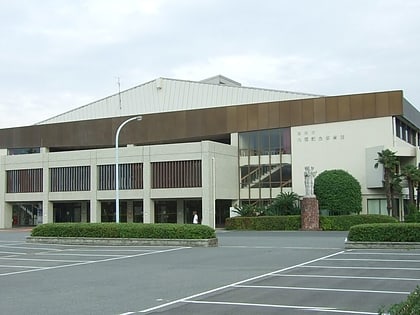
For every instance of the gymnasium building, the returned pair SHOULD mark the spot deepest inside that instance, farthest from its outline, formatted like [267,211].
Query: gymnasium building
[201,146]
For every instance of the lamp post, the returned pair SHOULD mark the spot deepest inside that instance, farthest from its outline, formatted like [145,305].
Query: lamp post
[117,179]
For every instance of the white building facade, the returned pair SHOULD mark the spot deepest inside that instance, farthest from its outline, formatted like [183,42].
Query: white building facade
[203,146]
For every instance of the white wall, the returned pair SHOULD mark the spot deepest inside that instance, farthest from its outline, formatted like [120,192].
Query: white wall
[340,145]
[220,182]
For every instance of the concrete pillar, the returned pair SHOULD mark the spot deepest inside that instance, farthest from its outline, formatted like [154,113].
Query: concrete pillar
[309,214]
[95,211]
[4,216]
[47,206]
[95,205]
[208,175]
[47,211]
[148,203]
[148,211]
[7,215]
[180,211]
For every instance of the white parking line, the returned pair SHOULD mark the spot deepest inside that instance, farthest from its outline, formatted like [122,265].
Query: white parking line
[235,284]
[93,262]
[319,289]
[46,260]
[12,253]
[367,268]
[304,308]
[347,277]
[16,266]
[76,254]
[379,253]
[369,259]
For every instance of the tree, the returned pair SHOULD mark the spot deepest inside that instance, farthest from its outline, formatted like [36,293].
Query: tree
[389,161]
[339,192]
[286,203]
[412,174]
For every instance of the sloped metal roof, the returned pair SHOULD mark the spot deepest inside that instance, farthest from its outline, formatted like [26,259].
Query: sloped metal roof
[165,95]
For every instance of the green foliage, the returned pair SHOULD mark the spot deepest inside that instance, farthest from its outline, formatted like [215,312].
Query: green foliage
[385,232]
[339,192]
[125,230]
[411,306]
[412,174]
[345,222]
[389,161]
[286,203]
[247,210]
[413,214]
[264,223]
[293,222]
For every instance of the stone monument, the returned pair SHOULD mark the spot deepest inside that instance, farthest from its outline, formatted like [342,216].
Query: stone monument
[309,211]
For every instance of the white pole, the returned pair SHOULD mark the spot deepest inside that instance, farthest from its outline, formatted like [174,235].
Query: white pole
[117,180]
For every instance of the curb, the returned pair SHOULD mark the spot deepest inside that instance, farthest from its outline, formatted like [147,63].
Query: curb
[211,242]
[382,245]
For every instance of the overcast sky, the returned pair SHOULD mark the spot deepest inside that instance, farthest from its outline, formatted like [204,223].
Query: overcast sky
[57,55]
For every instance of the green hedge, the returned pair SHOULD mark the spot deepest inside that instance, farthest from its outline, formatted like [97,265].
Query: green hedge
[385,232]
[293,222]
[345,222]
[125,230]
[264,223]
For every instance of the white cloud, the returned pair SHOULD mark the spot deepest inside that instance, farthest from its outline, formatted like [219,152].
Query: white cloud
[58,55]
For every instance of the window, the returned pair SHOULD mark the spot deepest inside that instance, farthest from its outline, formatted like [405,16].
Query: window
[23,181]
[75,178]
[377,206]
[176,174]
[18,151]
[265,142]
[130,176]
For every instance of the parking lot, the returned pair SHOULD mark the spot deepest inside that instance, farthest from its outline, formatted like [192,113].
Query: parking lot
[249,273]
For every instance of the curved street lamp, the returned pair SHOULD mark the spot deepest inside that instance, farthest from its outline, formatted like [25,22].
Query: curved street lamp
[117,179]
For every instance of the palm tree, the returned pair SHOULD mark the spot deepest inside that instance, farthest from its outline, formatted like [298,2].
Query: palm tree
[389,161]
[412,174]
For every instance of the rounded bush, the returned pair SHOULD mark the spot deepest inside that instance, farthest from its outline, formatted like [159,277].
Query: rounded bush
[338,192]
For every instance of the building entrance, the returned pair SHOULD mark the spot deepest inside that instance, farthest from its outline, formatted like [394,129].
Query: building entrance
[27,214]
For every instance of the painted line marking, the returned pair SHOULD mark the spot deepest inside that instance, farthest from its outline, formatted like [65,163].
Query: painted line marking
[12,253]
[304,308]
[76,254]
[235,284]
[16,266]
[346,277]
[279,247]
[96,261]
[381,253]
[369,259]
[111,250]
[41,260]
[367,268]
[320,289]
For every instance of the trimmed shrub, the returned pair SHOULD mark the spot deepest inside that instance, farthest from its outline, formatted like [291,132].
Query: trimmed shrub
[125,230]
[338,192]
[411,306]
[413,214]
[293,222]
[385,232]
[345,222]
[264,223]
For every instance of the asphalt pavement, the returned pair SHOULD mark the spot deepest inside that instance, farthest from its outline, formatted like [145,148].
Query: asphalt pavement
[297,272]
